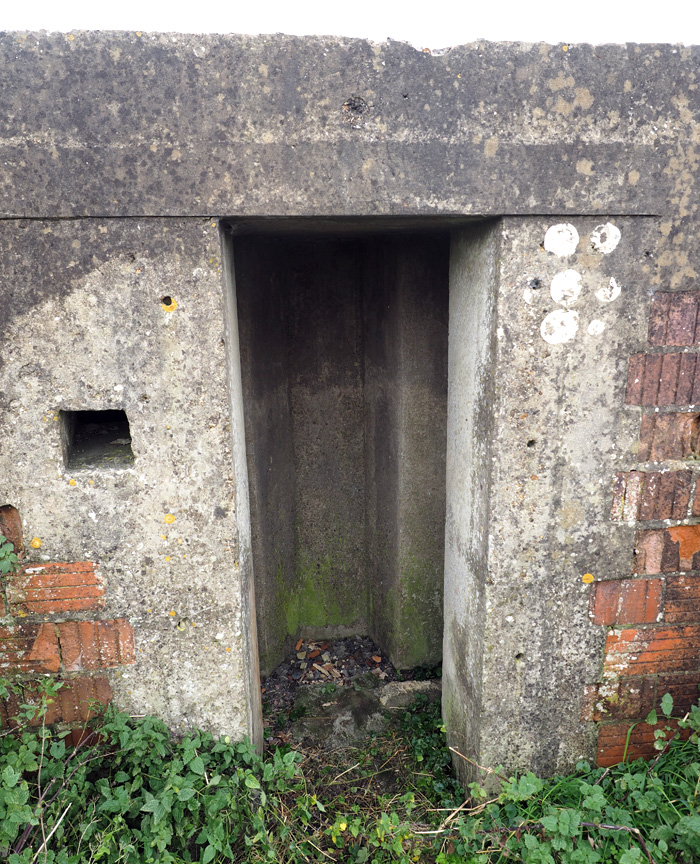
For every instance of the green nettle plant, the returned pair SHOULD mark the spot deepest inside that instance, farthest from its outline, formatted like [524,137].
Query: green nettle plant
[8,558]
[132,793]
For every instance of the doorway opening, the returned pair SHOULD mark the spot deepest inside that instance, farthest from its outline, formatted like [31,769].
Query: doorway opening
[343,347]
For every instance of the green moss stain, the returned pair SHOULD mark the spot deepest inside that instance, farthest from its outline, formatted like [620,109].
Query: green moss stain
[416,611]
[326,592]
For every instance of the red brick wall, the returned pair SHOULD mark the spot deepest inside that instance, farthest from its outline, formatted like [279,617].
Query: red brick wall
[652,645]
[49,626]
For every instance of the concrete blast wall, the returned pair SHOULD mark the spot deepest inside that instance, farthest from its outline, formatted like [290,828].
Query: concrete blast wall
[303,337]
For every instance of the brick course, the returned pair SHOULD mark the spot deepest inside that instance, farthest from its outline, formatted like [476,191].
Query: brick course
[78,701]
[640,496]
[55,587]
[669,436]
[663,380]
[682,600]
[652,650]
[75,645]
[655,646]
[612,742]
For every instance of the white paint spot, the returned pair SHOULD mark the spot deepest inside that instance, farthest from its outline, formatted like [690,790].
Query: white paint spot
[595,328]
[609,292]
[559,326]
[566,287]
[605,238]
[561,240]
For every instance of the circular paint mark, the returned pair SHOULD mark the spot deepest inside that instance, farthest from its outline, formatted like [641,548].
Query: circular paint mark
[605,238]
[566,287]
[609,292]
[595,328]
[35,543]
[588,578]
[169,518]
[559,326]
[561,240]
[168,303]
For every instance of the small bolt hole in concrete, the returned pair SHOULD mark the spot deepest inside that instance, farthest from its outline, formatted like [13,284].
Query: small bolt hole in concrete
[531,442]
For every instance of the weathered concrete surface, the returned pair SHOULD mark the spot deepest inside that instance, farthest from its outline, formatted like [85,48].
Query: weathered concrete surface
[560,431]
[84,328]
[161,124]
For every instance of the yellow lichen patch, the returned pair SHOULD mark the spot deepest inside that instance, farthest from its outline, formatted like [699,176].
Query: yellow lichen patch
[167,557]
[169,307]
[587,578]
[35,543]
[172,613]
[71,482]
[169,518]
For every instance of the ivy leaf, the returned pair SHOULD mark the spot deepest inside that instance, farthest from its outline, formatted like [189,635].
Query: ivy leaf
[252,782]
[209,853]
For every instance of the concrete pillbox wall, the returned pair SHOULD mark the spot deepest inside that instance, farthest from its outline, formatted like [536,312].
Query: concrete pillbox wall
[376,325]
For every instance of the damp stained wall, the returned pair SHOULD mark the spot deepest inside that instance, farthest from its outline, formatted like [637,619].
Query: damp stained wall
[344,343]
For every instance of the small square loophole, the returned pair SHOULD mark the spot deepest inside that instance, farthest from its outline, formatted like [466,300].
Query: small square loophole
[96,439]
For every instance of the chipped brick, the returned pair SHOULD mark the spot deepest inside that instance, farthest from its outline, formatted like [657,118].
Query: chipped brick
[688,539]
[11,526]
[667,550]
[649,551]
[27,647]
[624,698]
[96,644]
[56,587]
